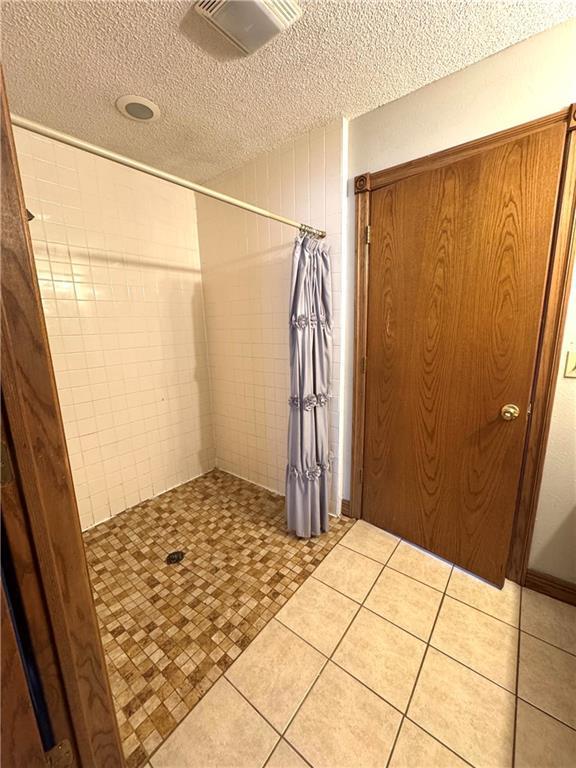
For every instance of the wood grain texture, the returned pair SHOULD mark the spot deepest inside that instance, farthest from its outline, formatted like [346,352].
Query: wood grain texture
[360,320]
[45,481]
[457,276]
[19,541]
[559,279]
[461,152]
[551,586]
[20,742]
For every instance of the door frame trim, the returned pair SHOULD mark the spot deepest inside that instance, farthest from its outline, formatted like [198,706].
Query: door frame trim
[552,323]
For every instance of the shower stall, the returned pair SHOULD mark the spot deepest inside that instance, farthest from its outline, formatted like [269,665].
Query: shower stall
[167,317]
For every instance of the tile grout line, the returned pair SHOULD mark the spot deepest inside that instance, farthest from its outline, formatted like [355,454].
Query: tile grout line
[299,707]
[402,714]
[374,692]
[409,576]
[291,746]
[223,673]
[308,643]
[441,591]
[356,551]
[428,644]
[515,725]
[384,565]
[543,711]
[475,671]
[393,623]
[436,739]
[491,615]
[326,657]
[420,670]
[336,648]
[254,707]
[553,645]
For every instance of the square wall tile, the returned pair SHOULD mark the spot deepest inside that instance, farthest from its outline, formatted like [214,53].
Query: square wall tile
[246,265]
[117,257]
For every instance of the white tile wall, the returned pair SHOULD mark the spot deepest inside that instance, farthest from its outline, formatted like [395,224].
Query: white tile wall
[119,271]
[246,263]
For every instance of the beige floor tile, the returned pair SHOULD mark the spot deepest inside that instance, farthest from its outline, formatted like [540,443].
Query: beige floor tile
[318,614]
[408,603]
[382,656]
[285,757]
[342,724]
[480,641]
[541,741]
[275,672]
[349,572]
[549,619]
[370,541]
[547,678]
[420,565]
[222,731]
[416,749]
[503,603]
[463,710]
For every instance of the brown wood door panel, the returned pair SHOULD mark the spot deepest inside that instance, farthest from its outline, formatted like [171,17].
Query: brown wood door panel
[19,540]
[20,743]
[457,275]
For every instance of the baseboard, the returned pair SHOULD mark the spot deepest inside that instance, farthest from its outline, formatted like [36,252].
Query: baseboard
[345,507]
[551,586]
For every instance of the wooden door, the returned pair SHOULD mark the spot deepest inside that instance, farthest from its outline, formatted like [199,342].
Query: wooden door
[20,743]
[456,282]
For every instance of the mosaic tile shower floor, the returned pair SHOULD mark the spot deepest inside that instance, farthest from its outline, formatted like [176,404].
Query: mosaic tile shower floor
[170,631]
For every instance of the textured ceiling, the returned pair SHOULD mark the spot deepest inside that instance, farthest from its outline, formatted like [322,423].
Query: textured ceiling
[67,62]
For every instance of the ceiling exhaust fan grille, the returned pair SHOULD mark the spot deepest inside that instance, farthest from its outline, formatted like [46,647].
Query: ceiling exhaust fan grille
[289,11]
[209,6]
[249,24]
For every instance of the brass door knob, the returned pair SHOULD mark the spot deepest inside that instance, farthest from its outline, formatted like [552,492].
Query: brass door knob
[509,412]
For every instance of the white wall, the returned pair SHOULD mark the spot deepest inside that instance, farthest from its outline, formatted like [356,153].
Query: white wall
[246,264]
[528,80]
[117,260]
[554,543]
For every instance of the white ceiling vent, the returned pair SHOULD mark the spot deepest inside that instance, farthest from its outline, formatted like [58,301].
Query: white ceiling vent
[249,24]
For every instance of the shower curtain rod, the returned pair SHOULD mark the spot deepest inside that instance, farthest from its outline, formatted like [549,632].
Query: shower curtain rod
[65,138]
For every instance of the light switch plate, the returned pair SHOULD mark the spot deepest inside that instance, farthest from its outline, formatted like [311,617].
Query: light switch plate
[570,369]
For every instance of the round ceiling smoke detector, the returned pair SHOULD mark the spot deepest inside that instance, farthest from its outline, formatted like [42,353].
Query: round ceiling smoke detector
[138,108]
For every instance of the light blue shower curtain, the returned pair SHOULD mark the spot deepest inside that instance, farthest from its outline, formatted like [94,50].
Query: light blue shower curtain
[307,473]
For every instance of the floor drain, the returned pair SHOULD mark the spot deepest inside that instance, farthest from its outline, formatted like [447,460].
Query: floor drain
[175,557]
